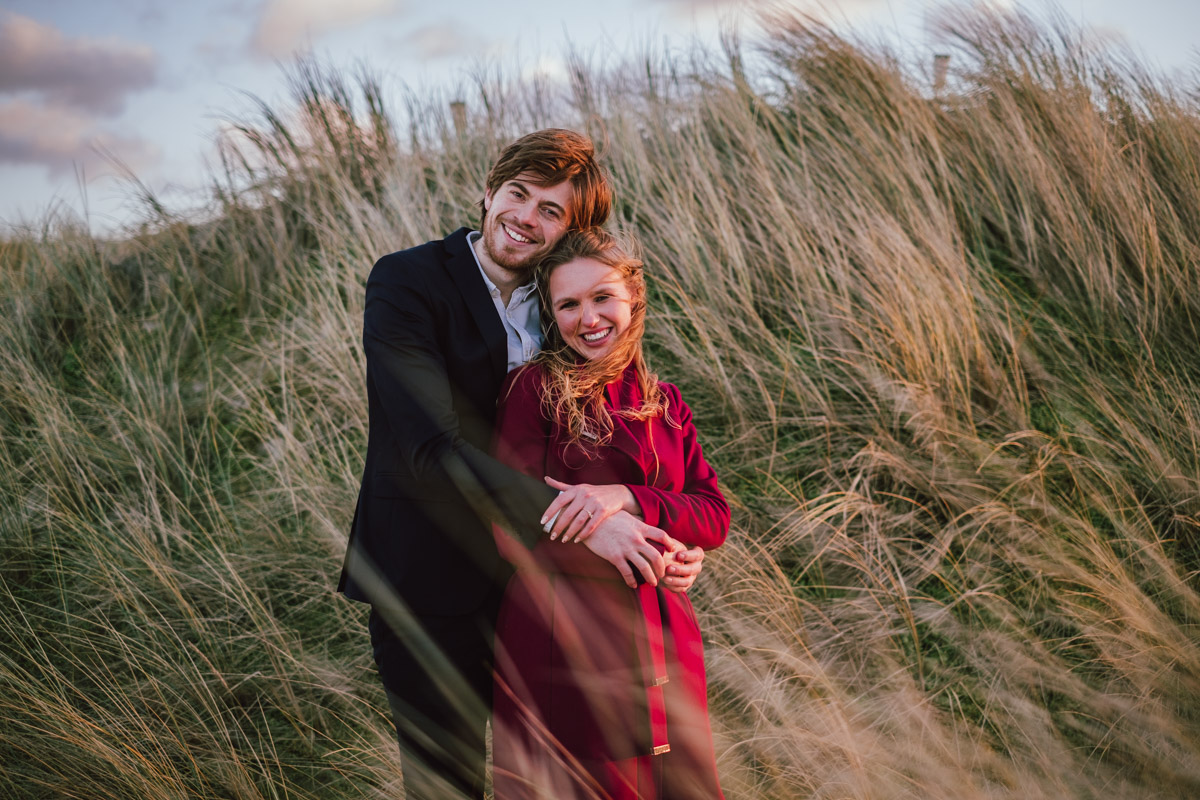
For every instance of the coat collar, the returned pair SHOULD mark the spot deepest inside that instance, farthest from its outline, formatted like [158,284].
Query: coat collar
[464,270]
[633,438]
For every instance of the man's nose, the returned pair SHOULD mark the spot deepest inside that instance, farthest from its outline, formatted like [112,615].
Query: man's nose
[527,215]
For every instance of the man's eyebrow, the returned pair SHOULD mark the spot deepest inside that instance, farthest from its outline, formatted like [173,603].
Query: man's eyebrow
[525,189]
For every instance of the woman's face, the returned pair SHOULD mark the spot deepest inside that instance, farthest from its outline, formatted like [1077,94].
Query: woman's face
[591,305]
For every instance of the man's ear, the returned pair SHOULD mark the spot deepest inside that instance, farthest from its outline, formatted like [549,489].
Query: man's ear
[487,200]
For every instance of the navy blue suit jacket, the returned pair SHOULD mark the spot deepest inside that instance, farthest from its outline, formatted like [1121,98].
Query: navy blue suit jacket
[436,357]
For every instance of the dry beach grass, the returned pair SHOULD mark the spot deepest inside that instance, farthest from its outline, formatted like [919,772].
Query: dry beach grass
[940,348]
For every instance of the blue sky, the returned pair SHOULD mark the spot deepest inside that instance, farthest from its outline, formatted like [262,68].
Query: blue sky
[149,81]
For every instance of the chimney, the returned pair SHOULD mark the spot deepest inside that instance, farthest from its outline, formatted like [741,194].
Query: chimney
[458,110]
[941,63]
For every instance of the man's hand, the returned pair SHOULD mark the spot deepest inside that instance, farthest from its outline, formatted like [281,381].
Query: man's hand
[623,540]
[580,508]
[682,568]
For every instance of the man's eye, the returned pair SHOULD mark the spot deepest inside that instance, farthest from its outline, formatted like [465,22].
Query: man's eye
[552,213]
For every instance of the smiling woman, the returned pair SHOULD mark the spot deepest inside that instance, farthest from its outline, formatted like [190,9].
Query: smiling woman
[591,303]
[598,686]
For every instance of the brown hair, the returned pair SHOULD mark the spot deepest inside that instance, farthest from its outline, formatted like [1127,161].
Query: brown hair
[554,155]
[573,388]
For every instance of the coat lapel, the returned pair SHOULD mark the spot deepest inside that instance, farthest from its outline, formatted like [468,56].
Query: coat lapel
[464,270]
[630,437]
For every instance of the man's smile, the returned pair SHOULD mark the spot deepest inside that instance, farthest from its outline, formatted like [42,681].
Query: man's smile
[516,237]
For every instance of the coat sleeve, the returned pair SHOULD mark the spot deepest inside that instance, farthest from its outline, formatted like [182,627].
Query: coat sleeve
[408,369]
[522,438]
[697,514]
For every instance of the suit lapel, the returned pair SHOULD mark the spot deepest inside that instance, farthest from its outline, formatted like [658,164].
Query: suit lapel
[464,270]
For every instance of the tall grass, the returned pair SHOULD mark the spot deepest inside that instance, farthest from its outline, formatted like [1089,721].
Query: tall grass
[941,349]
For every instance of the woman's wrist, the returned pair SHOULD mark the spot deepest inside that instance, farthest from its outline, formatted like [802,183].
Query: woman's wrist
[630,504]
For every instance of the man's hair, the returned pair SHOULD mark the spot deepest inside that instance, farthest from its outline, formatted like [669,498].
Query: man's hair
[554,155]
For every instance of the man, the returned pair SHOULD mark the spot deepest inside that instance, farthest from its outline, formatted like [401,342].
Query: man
[444,322]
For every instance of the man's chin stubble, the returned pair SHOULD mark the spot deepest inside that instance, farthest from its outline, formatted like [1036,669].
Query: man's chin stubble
[523,268]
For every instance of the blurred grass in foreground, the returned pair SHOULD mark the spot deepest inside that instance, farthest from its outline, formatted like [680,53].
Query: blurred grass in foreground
[941,349]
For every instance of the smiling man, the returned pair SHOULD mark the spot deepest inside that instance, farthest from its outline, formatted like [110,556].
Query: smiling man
[444,323]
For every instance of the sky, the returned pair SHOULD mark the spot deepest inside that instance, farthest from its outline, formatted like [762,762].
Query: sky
[148,83]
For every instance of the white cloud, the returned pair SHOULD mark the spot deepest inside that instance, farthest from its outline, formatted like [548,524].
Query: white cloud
[443,40]
[547,68]
[59,138]
[726,10]
[84,72]
[287,25]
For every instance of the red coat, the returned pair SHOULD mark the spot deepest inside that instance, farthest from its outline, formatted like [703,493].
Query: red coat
[583,661]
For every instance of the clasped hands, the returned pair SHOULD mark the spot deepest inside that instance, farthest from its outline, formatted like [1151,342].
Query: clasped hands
[607,519]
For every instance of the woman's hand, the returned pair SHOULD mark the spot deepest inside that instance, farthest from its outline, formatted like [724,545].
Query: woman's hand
[683,565]
[630,544]
[581,507]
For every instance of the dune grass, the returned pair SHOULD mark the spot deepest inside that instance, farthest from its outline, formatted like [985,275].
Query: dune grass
[941,349]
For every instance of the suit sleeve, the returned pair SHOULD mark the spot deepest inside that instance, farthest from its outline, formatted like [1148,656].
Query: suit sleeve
[408,369]
[697,514]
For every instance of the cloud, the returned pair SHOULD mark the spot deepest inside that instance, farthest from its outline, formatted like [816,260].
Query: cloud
[717,9]
[548,68]
[287,25]
[443,40]
[86,73]
[685,8]
[60,138]
[698,4]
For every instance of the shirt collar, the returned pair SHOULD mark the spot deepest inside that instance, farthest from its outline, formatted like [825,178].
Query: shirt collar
[519,294]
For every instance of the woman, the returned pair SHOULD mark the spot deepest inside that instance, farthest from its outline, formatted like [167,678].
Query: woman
[600,689]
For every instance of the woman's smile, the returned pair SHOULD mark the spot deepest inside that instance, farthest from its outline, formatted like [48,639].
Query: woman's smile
[591,305]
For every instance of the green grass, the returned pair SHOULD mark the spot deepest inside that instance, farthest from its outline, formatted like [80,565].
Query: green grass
[941,350]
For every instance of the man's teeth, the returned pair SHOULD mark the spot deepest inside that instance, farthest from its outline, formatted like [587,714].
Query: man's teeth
[517,236]
[597,336]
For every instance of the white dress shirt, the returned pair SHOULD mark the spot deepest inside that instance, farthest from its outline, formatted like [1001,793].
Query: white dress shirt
[522,323]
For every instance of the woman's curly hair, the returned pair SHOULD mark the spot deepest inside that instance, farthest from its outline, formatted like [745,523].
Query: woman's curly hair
[573,387]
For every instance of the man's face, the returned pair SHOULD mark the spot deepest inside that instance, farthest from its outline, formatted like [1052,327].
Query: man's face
[524,221]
